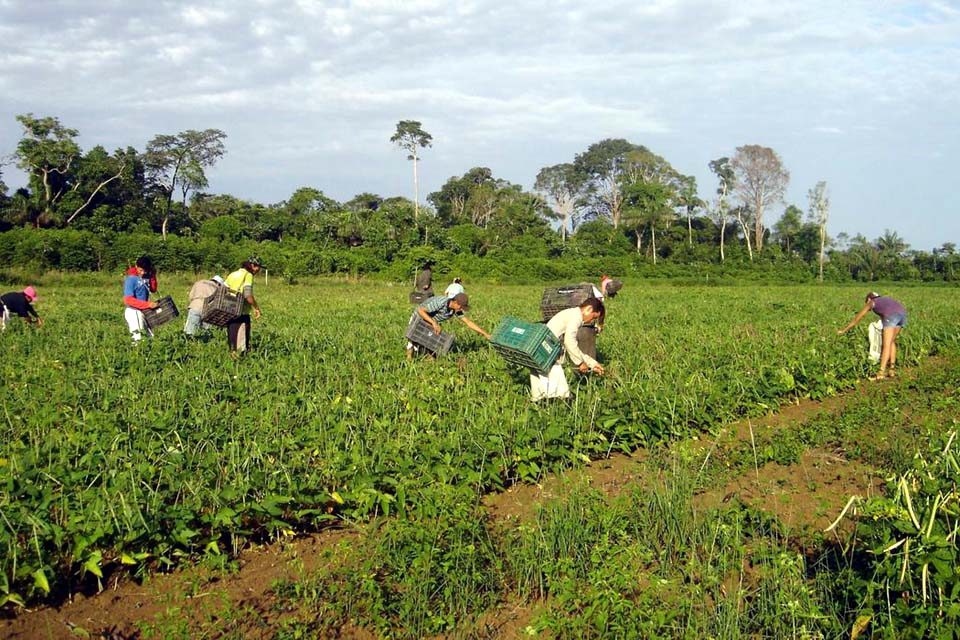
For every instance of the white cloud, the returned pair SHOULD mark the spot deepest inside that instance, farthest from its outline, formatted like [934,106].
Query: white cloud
[692,79]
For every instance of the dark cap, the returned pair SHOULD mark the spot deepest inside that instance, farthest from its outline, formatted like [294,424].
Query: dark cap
[255,261]
[461,299]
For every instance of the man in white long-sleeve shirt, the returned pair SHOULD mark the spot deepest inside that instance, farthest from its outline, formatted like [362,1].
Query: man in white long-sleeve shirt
[565,326]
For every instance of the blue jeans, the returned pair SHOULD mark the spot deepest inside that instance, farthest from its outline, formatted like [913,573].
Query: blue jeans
[195,324]
[895,320]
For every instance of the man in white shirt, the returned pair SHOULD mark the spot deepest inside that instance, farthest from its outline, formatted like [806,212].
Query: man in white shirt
[565,326]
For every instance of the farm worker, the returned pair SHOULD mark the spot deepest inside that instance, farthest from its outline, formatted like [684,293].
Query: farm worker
[241,281]
[587,337]
[454,288]
[21,304]
[893,316]
[424,281]
[140,282]
[566,326]
[440,309]
[200,291]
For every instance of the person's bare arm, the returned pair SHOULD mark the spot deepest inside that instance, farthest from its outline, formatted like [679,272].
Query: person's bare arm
[857,318]
[473,325]
[426,318]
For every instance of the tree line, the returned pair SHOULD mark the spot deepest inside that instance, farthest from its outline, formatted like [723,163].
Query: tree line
[616,203]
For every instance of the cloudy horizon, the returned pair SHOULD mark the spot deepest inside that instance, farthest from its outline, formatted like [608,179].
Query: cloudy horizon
[860,94]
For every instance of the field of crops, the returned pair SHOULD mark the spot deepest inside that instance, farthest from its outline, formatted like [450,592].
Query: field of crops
[117,456]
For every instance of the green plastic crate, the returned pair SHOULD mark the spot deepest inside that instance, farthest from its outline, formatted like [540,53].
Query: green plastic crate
[527,344]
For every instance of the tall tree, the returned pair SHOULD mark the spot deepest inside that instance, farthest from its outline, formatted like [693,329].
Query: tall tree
[788,226]
[561,185]
[411,137]
[819,212]
[742,214]
[761,181]
[647,204]
[96,169]
[725,180]
[68,181]
[602,168]
[688,199]
[178,162]
[47,152]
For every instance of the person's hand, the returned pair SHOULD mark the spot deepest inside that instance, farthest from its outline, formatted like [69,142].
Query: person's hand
[436,328]
[598,369]
[257,313]
[584,367]
[840,332]
[599,329]
[39,322]
[154,305]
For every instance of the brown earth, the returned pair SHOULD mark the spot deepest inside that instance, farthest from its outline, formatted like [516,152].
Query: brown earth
[804,496]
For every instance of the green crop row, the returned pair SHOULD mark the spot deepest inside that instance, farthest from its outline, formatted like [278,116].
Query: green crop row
[115,456]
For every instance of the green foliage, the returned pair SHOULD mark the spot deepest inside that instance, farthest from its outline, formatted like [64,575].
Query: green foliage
[429,570]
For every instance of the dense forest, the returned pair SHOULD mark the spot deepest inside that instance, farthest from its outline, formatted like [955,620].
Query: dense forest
[616,207]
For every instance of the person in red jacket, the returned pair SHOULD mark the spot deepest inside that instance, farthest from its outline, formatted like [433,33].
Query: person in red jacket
[140,282]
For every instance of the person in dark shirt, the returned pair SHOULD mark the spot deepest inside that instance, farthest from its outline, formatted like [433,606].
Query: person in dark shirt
[424,281]
[894,318]
[19,303]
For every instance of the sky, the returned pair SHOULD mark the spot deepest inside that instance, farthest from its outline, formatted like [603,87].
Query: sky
[864,95]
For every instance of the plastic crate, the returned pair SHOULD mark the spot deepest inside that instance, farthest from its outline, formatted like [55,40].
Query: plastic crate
[418,297]
[223,306]
[527,344]
[162,314]
[556,299]
[420,333]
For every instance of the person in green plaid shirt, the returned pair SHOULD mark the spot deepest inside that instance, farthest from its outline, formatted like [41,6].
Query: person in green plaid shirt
[440,309]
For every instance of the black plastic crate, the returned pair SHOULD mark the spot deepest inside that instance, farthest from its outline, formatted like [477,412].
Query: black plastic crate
[420,333]
[162,314]
[556,299]
[418,297]
[223,306]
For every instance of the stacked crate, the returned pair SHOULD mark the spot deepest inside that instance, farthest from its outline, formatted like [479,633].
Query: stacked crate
[556,299]
[164,312]
[222,307]
[420,332]
[418,297]
[527,344]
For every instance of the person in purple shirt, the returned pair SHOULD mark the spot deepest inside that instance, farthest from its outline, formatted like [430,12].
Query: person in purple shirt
[894,318]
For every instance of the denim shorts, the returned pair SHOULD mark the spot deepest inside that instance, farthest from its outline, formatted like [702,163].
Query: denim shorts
[895,320]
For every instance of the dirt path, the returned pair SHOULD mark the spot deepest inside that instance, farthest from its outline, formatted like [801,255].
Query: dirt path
[807,495]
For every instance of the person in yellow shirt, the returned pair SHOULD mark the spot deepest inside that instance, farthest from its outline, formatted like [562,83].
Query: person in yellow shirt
[238,329]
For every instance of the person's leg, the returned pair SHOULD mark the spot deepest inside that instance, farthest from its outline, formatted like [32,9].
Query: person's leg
[233,327]
[892,363]
[889,333]
[243,340]
[135,323]
[192,326]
